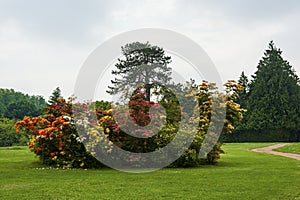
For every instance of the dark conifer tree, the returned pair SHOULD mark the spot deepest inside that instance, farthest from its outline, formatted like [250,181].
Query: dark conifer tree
[56,94]
[242,94]
[274,93]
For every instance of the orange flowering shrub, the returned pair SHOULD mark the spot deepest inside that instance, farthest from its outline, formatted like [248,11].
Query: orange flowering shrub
[54,139]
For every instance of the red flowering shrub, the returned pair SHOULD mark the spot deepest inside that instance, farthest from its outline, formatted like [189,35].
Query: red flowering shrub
[141,113]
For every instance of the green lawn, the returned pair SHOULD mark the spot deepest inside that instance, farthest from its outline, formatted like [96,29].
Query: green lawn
[240,174]
[290,148]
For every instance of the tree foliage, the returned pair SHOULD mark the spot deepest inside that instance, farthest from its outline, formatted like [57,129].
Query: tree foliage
[274,93]
[272,96]
[142,64]
[15,105]
[55,96]
[242,94]
[8,135]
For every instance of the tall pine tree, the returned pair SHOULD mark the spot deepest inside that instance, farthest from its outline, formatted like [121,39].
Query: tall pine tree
[142,64]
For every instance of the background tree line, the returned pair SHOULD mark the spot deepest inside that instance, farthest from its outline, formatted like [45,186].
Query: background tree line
[14,106]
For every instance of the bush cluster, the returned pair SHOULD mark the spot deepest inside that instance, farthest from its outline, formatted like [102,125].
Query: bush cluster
[54,137]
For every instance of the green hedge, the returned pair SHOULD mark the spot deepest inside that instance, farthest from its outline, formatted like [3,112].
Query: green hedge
[278,135]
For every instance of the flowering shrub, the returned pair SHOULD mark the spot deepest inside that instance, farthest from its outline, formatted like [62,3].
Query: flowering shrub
[205,94]
[54,137]
[133,121]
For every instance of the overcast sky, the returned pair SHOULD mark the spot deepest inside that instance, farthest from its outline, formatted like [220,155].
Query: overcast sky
[43,44]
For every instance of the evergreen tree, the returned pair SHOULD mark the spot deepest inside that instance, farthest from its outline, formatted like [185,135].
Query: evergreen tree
[242,94]
[56,94]
[273,99]
[143,64]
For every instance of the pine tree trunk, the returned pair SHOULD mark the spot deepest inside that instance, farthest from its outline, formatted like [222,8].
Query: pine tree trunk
[148,90]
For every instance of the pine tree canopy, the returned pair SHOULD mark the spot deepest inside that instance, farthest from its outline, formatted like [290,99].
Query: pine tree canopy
[141,65]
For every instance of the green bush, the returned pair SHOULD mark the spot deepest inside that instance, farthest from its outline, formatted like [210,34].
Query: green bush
[8,135]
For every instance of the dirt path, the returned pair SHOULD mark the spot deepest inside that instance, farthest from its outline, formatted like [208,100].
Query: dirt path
[269,150]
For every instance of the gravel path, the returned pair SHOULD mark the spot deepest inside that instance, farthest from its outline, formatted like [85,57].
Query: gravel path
[269,150]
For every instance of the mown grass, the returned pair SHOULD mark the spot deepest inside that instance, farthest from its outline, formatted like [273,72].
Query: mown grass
[240,174]
[290,148]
